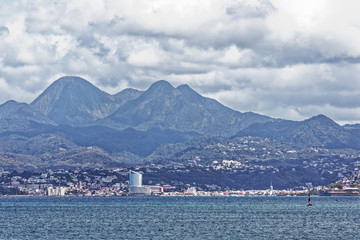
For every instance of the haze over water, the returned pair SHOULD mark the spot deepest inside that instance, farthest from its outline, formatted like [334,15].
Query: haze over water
[179,217]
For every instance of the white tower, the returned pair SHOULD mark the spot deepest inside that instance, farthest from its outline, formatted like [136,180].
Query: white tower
[135,179]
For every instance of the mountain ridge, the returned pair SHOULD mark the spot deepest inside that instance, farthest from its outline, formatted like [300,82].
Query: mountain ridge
[317,131]
[75,101]
[182,109]
[73,115]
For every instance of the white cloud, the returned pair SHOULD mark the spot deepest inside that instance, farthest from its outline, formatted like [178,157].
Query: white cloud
[233,57]
[289,59]
[149,55]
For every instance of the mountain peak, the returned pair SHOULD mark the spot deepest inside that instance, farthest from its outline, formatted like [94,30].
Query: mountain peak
[19,115]
[71,81]
[67,83]
[190,93]
[162,84]
[321,119]
[180,108]
[186,88]
[160,88]
[11,106]
[320,116]
[11,103]
[73,100]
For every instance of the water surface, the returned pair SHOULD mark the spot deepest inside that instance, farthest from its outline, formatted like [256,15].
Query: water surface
[179,217]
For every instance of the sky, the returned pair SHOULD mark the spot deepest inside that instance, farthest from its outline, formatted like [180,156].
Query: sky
[281,58]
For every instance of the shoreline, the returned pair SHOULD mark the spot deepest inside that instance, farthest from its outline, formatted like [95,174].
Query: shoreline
[251,196]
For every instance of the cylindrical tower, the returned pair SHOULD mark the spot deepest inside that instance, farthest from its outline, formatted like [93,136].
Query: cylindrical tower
[135,179]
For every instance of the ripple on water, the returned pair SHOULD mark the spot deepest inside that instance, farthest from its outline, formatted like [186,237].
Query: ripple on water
[179,217]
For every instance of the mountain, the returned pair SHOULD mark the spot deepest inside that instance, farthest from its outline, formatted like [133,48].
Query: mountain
[72,115]
[352,126]
[125,95]
[17,116]
[141,143]
[73,124]
[13,109]
[45,145]
[318,131]
[182,109]
[113,141]
[49,151]
[74,101]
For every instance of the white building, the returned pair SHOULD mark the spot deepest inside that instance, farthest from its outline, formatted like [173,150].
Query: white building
[136,187]
[58,191]
[191,191]
[135,179]
[143,190]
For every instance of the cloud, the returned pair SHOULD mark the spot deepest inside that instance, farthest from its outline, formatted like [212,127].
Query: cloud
[285,59]
[4,31]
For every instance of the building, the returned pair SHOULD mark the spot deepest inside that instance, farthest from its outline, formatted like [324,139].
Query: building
[342,192]
[135,182]
[156,190]
[137,189]
[58,191]
[135,179]
[191,191]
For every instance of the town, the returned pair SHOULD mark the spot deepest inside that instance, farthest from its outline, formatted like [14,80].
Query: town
[170,180]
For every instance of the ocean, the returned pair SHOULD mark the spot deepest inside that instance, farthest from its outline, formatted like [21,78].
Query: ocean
[179,218]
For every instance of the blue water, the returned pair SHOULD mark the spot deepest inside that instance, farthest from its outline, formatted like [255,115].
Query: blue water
[179,218]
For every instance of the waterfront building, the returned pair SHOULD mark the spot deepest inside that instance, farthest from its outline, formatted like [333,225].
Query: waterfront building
[135,179]
[58,191]
[342,192]
[271,189]
[191,191]
[136,187]
[139,191]
[156,190]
